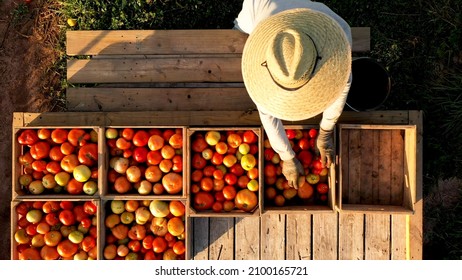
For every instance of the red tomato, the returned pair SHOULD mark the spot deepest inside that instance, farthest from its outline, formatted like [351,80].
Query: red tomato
[290,133]
[203,200]
[86,223]
[66,205]
[59,135]
[159,244]
[66,217]
[246,200]
[52,219]
[88,154]
[79,213]
[313,133]
[322,188]
[40,150]
[28,137]
[22,208]
[249,137]
[140,154]
[89,207]
[140,138]
[77,137]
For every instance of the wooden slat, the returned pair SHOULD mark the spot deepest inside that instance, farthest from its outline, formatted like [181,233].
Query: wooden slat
[145,42]
[398,237]
[200,240]
[247,238]
[344,165]
[158,99]
[354,169]
[384,166]
[325,236]
[221,242]
[397,167]
[375,167]
[367,146]
[377,237]
[416,220]
[148,70]
[273,237]
[351,236]
[155,41]
[298,237]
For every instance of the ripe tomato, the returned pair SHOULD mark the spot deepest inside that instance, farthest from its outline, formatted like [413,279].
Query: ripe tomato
[88,154]
[249,137]
[59,135]
[52,219]
[74,187]
[322,188]
[140,138]
[66,248]
[290,133]
[66,217]
[89,207]
[28,137]
[78,137]
[229,192]
[159,244]
[203,200]
[22,208]
[79,213]
[246,200]
[140,154]
[66,205]
[40,150]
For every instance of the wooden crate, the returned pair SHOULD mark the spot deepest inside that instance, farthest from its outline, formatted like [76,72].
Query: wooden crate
[19,192]
[15,217]
[143,202]
[296,205]
[111,194]
[223,130]
[377,168]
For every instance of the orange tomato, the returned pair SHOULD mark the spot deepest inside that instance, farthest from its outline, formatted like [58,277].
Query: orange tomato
[229,192]
[49,253]
[246,200]
[66,248]
[59,135]
[177,208]
[159,244]
[179,247]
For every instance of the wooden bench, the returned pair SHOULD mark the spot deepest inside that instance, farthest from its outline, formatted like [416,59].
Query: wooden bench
[182,69]
[193,78]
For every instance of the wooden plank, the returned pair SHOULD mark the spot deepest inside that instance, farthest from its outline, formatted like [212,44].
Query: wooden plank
[325,236]
[200,240]
[361,39]
[398,237]
[158,99]
[221,242]
[50,119]
[154,70]
[145,42]
[354,169]
[374,117]
[384,167]
[397,167]
[366,164]
[273,228]
[375,167]
[247,238]
[98,42]
[344,165]
[298,234]
[416,220]
[377,237]
[351,236]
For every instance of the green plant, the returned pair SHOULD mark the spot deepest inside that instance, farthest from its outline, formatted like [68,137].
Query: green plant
[19,13]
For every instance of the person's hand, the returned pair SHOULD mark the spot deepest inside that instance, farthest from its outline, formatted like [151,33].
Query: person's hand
[292,169]
[325,145]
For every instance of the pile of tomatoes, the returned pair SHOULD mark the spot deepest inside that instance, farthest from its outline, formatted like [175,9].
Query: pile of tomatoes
[224,170]
[56,230]
[145,161]
[58,160]
[313,185]
[144,230]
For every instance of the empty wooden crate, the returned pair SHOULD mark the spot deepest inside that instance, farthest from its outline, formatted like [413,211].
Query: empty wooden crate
[377,167]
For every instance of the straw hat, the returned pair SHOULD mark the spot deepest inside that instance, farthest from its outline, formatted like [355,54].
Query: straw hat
[296,63]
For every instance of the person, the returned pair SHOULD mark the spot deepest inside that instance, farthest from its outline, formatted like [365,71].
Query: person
[296,64]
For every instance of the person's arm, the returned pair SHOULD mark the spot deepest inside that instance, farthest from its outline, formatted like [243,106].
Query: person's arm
[325,142]
[291,166]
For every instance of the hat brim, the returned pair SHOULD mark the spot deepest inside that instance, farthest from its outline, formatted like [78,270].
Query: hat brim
[329,77]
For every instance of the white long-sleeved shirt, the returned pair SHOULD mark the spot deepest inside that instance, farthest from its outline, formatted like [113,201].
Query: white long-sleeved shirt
[253,12]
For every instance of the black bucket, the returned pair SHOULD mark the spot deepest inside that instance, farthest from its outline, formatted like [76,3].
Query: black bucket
[370,87]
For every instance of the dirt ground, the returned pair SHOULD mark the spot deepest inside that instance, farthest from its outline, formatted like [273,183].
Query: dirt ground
[27,53]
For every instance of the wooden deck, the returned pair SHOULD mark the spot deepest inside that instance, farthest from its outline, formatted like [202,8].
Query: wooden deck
[326,236]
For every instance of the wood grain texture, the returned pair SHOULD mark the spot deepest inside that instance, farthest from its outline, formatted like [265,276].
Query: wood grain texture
[221,238]
[247,238]
[351,236]
[377,237]
[325,236]
[298,237]
[200,240]
[273,241]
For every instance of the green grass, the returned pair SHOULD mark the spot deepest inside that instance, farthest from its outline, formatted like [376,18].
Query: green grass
[418,42]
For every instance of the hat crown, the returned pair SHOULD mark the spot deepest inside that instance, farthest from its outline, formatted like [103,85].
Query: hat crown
[291,58]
